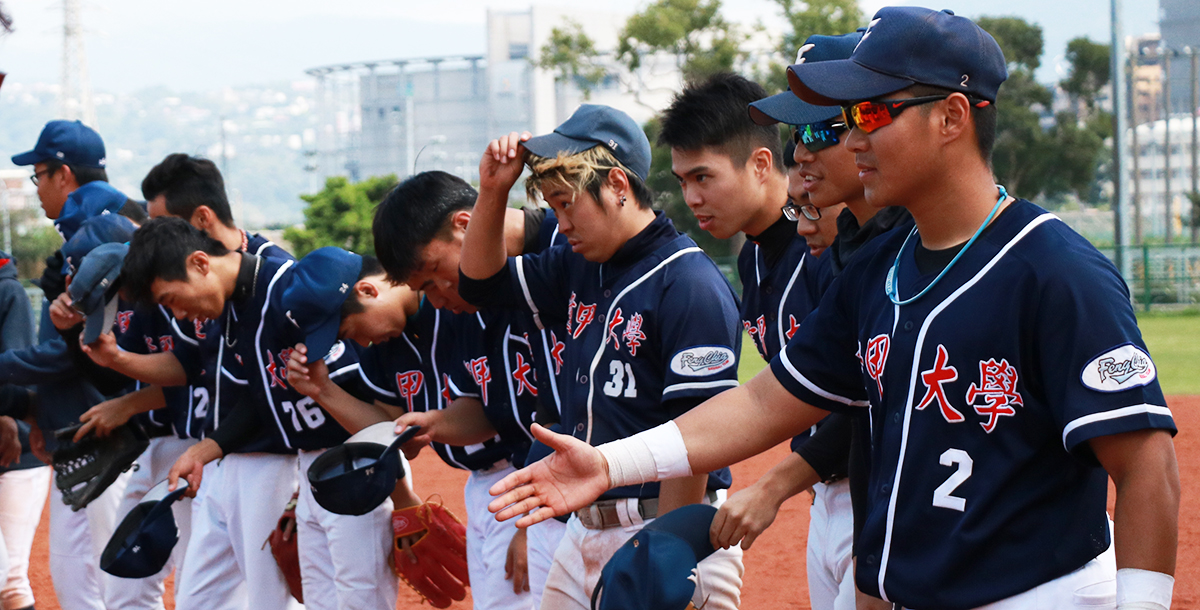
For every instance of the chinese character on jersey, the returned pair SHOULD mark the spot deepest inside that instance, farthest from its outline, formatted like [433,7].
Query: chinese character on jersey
[935,391]
[123,320]
[278,372]
[876,359]
[522,376]
[409,383]
[556,352]
[613,323]
[998,389]
[478,367]
[633,334]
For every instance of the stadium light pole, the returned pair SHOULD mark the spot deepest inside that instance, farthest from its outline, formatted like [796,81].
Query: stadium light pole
[1120,153]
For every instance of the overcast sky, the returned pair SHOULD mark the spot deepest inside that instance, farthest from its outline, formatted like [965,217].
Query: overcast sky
[188,45]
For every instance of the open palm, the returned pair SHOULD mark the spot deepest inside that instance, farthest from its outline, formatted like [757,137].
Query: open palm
[567,480]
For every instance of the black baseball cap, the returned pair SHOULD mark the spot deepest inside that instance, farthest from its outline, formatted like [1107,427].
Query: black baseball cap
[595,125]
[142,543]
[71,142]
[786,107]
[94,288]
[357,476]
[321,283]
[904,46]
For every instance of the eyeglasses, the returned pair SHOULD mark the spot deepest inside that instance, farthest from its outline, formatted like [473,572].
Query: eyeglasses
[818,136]
[869,116]
[37,176]
[792,212]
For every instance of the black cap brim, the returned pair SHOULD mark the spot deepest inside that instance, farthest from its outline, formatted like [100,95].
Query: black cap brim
[836,82]
[787,108]
[29,158]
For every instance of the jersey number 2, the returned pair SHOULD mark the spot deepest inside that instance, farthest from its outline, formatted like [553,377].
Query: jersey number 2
[304,409]
[942,496]
[618,370]
[200,400]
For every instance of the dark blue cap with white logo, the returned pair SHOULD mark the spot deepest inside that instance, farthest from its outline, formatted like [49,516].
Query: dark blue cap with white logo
[88,201]
[594,125]
[142,543]
[71,142]
[786,107]
[652,570]
[904,46]
[357,476]
[321,283]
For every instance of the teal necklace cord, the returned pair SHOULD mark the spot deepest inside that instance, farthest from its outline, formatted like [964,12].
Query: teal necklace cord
[890,286]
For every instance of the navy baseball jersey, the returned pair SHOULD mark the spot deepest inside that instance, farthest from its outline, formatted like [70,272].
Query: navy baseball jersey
[549,341]
[650,333]
[982,397]
[153,330]
[214,389]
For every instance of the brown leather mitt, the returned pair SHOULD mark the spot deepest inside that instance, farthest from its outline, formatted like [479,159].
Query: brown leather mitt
[435,565]
[283,548]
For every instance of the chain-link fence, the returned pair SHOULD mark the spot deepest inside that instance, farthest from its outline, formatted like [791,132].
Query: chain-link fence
[1162,276]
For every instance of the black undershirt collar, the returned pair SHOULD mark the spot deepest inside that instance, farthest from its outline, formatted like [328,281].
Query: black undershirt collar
[933,261]
[244,287]
[774,241]
[658,232]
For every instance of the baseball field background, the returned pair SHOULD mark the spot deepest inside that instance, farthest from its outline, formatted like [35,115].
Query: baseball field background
[775,567]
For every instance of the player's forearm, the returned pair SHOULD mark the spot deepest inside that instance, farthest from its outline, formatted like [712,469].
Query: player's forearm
[788,478]
[463,423]
[143,400]
[1146,529]
[743,422]
[350,412]
[483,251]
[161,369]
[680,492]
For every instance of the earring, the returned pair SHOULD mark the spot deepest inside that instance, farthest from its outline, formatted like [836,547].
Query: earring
[622,201]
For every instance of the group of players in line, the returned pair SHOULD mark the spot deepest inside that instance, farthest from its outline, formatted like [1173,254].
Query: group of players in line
[981,361]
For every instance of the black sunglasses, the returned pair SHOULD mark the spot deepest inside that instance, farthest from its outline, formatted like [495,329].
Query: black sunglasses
[818,136]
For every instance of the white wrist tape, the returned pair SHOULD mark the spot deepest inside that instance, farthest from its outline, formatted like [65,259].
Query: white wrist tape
[1144,589]
[654,455]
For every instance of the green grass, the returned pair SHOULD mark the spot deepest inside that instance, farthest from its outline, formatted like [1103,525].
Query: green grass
[1174,342]
[1173,339]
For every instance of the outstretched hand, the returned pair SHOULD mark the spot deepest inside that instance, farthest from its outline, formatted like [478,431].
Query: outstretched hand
[503,162]
[566,481]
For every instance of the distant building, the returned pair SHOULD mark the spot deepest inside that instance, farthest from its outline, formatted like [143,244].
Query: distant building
[1146,79]
[1180,27]
[19,193]
[1151,179]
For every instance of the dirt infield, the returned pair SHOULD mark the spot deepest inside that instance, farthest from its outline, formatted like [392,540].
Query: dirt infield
[775,576]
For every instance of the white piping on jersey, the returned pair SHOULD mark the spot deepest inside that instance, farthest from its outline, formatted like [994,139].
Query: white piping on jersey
[175,327]
[912,384]
[757,271]
[262,366]
[265,245]
[1114,414]
[537,317]
[363,375]
[812,387]
[783,340]
[608,317]
[697,385]
[226,373]
[416,351]
[553,381]
[342,371]
[508,379]
[479,317]
[455,389]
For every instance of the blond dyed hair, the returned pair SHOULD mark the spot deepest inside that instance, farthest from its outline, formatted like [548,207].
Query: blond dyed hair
[578,173]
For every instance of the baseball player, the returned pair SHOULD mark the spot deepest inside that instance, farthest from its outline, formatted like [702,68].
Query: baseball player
[711,137]
[652,322]
[489,358]
[993,441]
[191,398]
[69,169]
[820,231]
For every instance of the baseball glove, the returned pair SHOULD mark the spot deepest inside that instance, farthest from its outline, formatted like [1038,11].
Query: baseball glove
[435,566]
[284,550]
[83,470]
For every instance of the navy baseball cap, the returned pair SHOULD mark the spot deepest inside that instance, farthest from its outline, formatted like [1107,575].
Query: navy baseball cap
[142,543]
[595,125]
[786,107]
[88,201]
[321,282]
[357,476]
[105,229]
[904,46]
[71,142]
[94,288]
[652,570]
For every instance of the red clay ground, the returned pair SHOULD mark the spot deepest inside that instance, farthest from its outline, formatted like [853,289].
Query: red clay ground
[775,576]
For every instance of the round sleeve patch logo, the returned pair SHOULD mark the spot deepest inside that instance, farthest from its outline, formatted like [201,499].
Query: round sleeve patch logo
[1119,369]
[335,352]
[702,361]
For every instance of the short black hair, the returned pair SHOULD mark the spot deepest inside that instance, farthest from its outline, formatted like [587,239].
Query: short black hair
[370,268]
[789,153]
[159,250]
[83,175]
[412,215]
[713,113]
[135,211]
[984,117]
[187,183]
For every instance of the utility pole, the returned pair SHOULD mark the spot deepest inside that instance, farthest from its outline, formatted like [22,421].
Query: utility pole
[75,99]
[1192,54]
[1165,55]
[1120,152]
[1137,153]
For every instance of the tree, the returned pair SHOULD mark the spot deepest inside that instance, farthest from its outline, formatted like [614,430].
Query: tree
[340,215]
[1020,41]
[693,31]
[817,17]
[1089,70]
[571,55]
